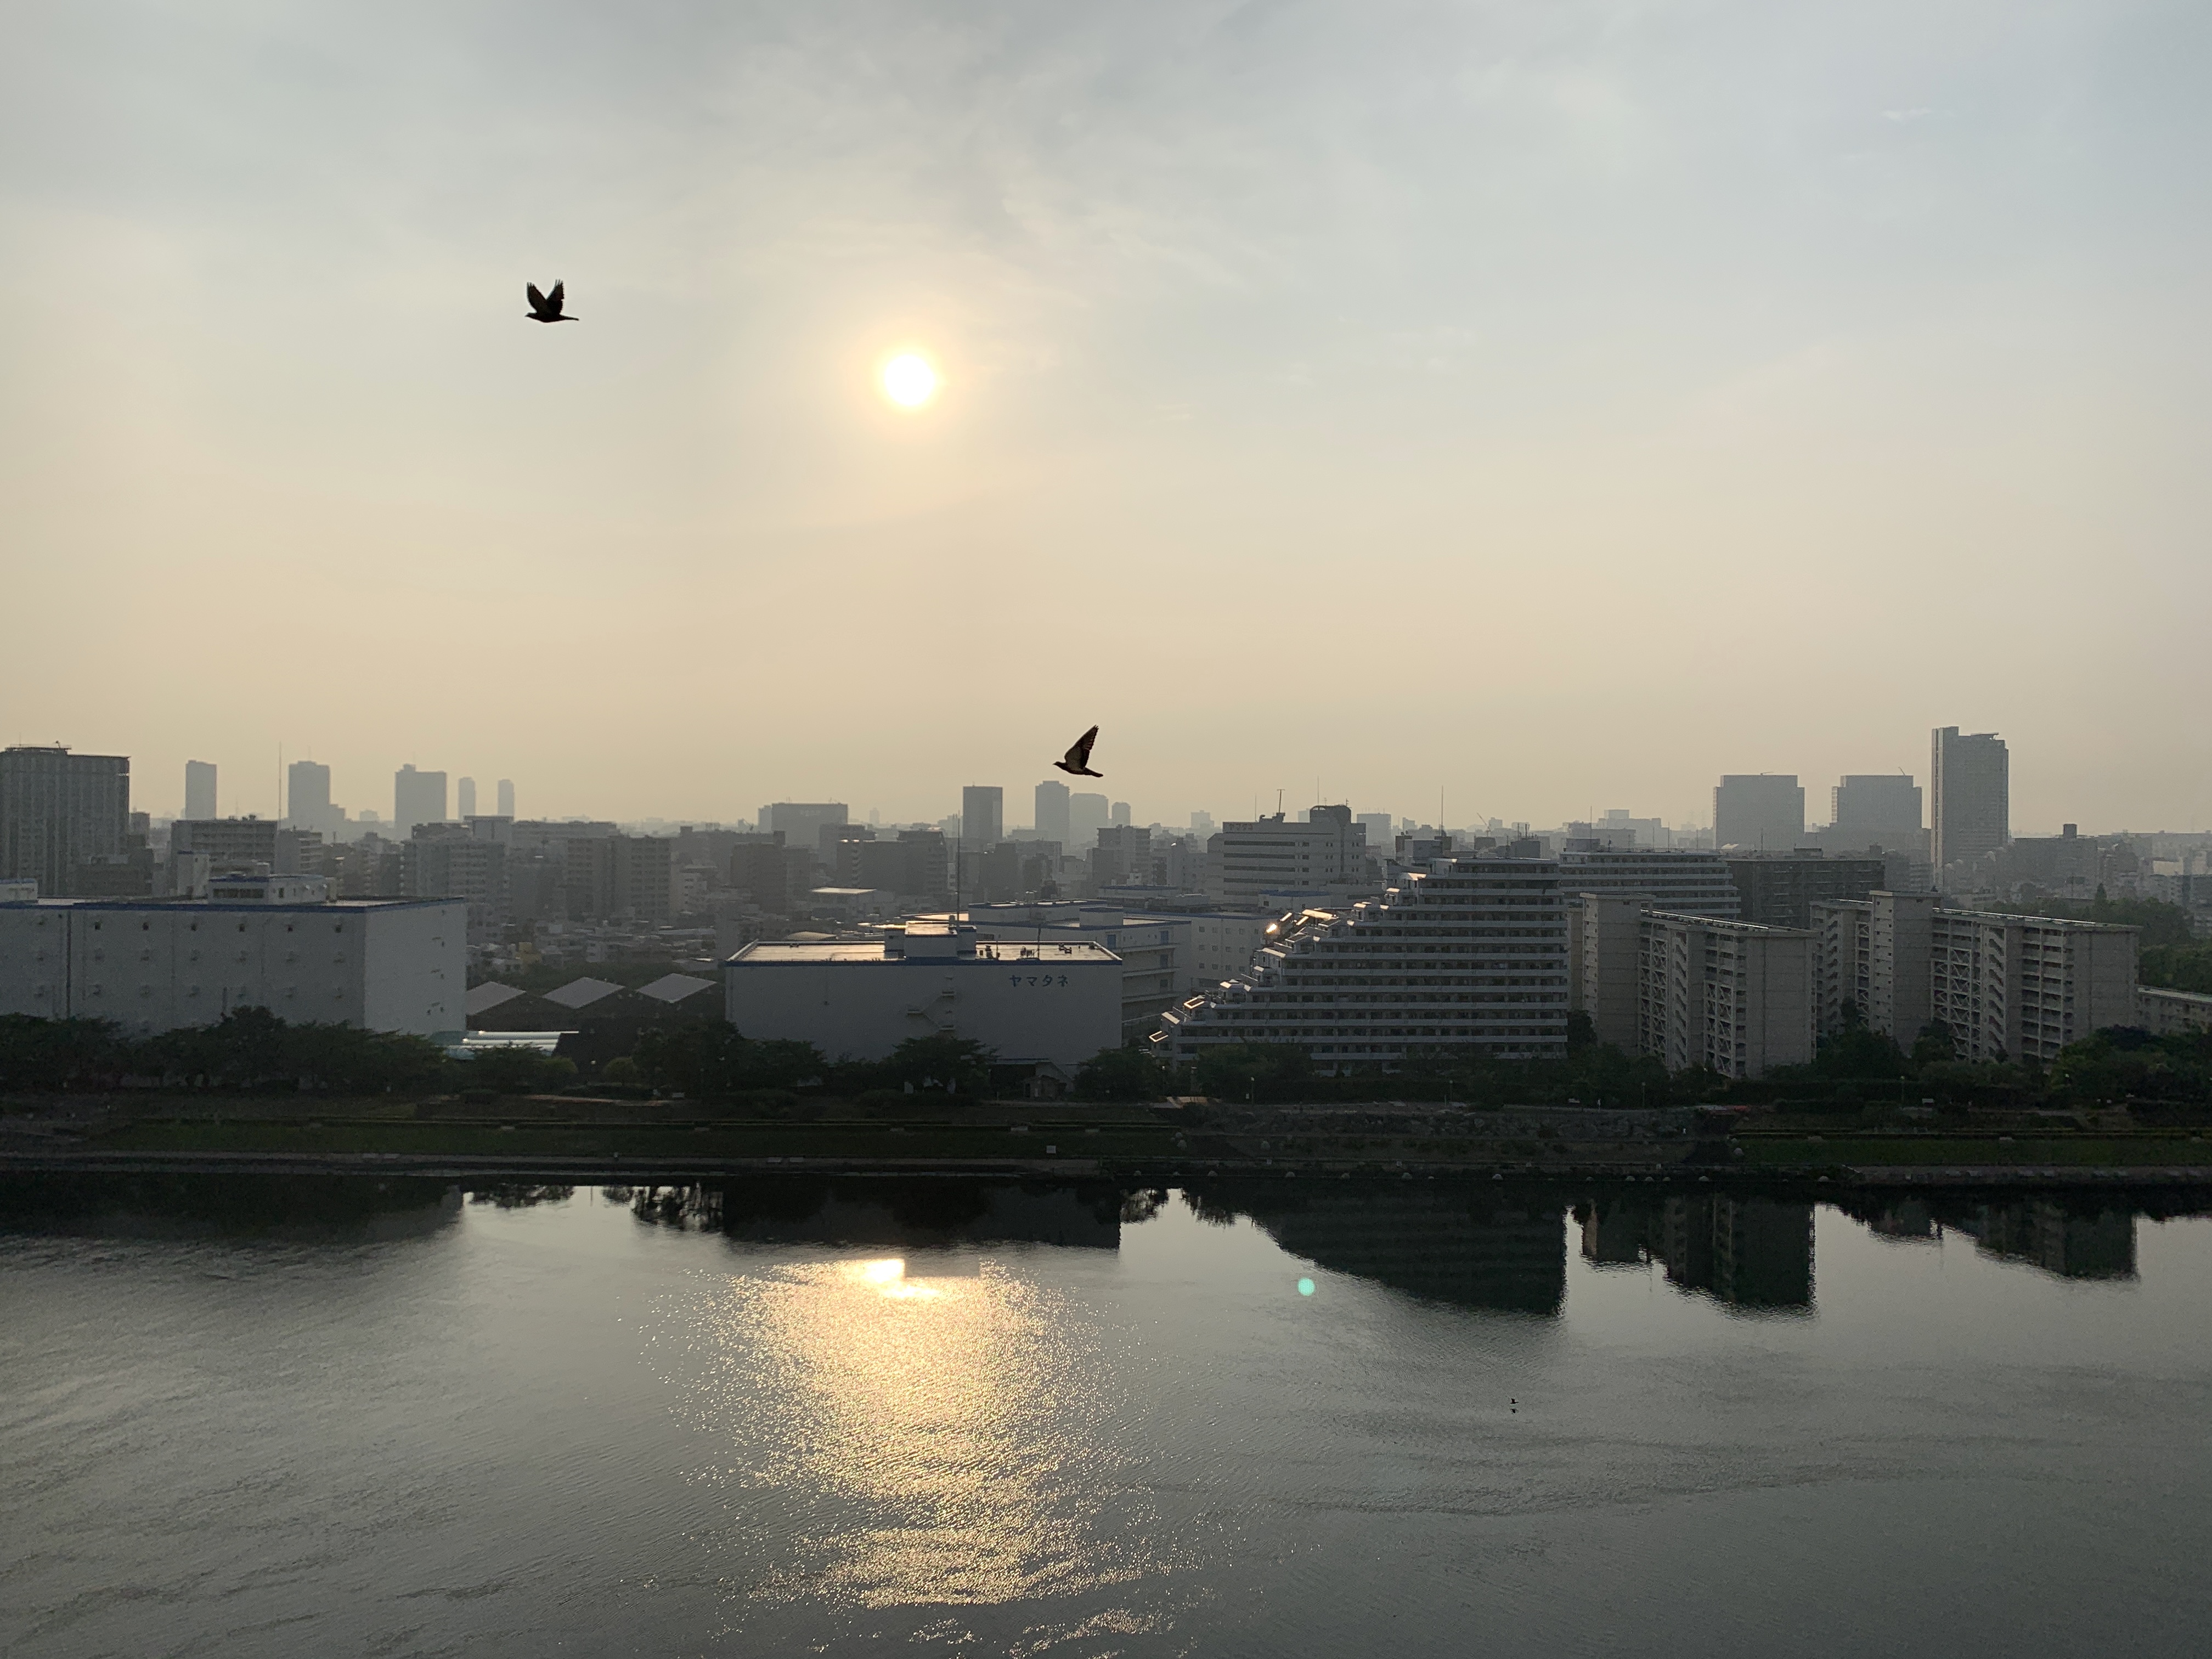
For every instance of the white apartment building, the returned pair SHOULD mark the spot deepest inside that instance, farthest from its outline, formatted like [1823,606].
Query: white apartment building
[1222,945]
[2024,986]
[1693,991]
[377,964]
[1328,854]
[2007,988]
[1873,953]
[1059,1002]
[1730,996]
[1470,955]
[1679,880]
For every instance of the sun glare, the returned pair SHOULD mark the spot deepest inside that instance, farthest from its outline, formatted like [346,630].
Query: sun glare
[889,1277]
[909,380]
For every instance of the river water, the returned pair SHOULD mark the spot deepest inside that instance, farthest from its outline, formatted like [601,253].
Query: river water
[344,1417]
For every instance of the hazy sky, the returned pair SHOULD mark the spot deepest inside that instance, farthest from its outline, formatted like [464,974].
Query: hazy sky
[1558,402]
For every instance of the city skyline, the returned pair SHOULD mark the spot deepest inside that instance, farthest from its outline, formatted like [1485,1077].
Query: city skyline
[1606,400]
[247,790]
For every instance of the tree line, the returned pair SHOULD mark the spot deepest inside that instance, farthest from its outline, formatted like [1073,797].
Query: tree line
[251,1050]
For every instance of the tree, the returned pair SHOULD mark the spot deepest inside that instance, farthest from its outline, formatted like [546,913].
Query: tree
[713,1059]
[1857,1051]
[1121,1074]
[1934,1045]
[56,1054]
[1256,1072]
[952,1064]
[518,1071]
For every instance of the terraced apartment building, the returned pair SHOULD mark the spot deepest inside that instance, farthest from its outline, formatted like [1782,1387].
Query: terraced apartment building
[1469,954]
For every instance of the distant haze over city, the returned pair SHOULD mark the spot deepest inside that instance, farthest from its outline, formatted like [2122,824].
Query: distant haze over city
[1559,407]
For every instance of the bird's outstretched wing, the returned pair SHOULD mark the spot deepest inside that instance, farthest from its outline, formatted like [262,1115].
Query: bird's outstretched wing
[537,299]
[558,295]
[1080,757]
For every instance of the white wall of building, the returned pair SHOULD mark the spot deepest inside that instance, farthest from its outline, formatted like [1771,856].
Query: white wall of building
[381,966]
[860,1000]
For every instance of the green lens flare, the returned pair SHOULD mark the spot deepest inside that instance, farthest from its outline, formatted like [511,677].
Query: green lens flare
[1305,1287]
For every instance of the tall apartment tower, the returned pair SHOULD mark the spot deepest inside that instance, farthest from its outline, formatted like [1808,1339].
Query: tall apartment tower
[466,792]
[1971,794]
[58,812]
[506,798]
[199,789]
[1765,812]
[982,815]
[416,798]
[1052,821]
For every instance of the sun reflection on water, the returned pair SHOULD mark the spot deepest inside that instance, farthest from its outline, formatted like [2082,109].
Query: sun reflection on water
[943,1440]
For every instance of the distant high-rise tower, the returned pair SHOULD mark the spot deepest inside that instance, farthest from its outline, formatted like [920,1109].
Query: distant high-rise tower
[1087,814]
[58,812]
[1052,813]
[1970,791]
[1880,809]
[1762,812]
[308,797]
[199,789]
[466,790]
[1119,813]
[416,798]
[982,815]
[506,798]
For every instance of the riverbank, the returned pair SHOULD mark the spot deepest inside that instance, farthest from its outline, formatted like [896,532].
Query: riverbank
[566,1137]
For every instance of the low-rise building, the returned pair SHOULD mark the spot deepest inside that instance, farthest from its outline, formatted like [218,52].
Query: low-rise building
[1328,854]
[1682,881]
[275,943]
[1059,1003]
[852,903]
[1778,890]
[1469,956]
[2168,1012]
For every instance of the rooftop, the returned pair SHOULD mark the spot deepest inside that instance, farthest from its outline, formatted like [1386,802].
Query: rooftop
[776,954]
[143,904]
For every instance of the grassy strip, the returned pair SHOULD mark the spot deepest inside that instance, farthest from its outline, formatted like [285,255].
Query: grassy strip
[2073,1152]
[638,1141]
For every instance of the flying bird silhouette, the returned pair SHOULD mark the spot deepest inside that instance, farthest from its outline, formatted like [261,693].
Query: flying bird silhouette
[1079,759]
[546,307]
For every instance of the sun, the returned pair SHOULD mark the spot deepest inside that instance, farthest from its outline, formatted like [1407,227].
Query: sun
[910,380]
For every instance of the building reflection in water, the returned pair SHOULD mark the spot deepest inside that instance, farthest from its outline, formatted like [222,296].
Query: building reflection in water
[1749,1252]
[306,1208]
[2048,1233]
[946,1426]
[1502,1251]
[905,1213]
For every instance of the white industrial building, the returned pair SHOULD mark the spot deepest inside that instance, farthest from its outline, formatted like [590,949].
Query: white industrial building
[1470,954]
[1055,1001]
[1154,951]
[273,943]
